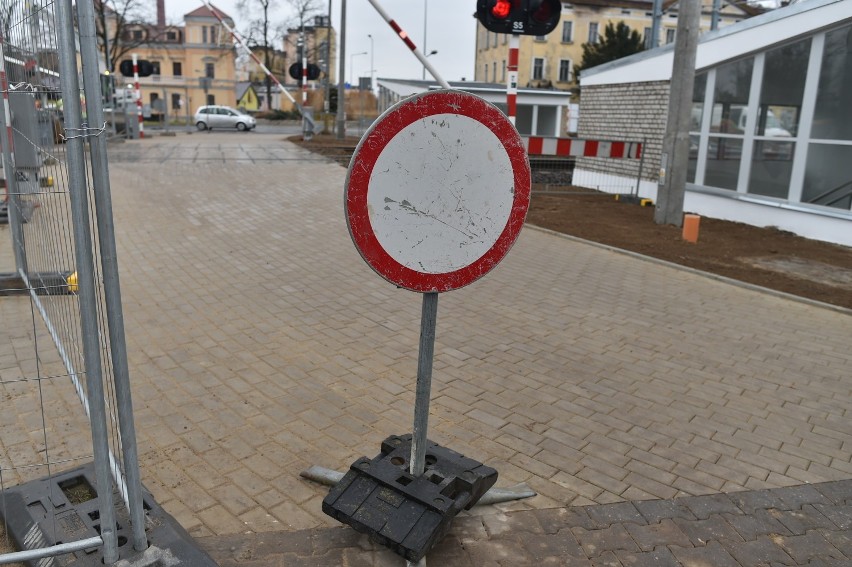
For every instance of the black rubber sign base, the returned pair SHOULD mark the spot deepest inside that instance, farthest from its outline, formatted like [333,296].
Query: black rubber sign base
[407,514]
[64,508]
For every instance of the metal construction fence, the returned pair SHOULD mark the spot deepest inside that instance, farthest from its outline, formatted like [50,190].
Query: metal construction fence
[64,385]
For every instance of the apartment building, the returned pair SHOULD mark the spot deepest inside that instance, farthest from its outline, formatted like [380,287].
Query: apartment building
[550,61]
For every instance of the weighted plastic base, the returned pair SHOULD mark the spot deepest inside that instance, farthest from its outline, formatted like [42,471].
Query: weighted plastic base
[407,514]
[64,508]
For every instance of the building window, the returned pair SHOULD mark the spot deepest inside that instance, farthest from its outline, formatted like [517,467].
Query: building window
[155,66]
[541,38]
[203,34]
[505,38]
[503,80]
[494,71]
[567,32]
[647,38]
[137,34]
[176,101]
[593,32]
[494,40]
[727,122]
[213,31]
[211,99]
[538,69]
[564,70]
[177,68]
[670,35]
[210,70]
[171,36]
[485,68]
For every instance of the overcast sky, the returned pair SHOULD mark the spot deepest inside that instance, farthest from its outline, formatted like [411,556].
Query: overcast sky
[450,29]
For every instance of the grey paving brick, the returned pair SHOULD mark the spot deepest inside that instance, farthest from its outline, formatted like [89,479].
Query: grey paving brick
[710,555]
[657,510]
[714,528]
[759,552]
[705,506]
[805,548]
[760,523]
[596,542]
[801,521]
[650,537]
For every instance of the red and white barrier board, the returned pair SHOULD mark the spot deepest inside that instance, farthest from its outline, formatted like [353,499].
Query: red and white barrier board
[540,146]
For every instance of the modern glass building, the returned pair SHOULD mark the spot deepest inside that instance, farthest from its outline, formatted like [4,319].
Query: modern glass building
[771,128]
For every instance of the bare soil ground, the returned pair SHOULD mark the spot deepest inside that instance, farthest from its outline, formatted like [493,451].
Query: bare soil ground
[763,256]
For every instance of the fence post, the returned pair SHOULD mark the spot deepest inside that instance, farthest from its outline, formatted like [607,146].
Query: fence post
[14,203]
[109,271]
[76,129]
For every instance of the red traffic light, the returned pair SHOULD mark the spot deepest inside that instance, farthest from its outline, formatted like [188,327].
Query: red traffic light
[524,17]
[501,9]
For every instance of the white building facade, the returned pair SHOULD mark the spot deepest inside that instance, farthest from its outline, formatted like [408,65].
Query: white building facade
[771,129]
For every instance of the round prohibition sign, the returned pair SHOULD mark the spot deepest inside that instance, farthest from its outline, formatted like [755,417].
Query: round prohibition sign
[437,191]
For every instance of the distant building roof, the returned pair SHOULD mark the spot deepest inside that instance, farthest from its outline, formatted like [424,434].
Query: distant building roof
[242,88]
[204,12]
[729,42]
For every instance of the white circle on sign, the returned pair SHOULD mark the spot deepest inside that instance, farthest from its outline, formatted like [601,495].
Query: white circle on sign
[457,197]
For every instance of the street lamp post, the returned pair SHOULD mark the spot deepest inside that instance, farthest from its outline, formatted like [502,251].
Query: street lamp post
[425,27]
[433,52]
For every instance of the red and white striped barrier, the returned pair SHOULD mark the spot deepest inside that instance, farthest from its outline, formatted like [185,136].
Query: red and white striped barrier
[540,146]
[237,38]
[403,35]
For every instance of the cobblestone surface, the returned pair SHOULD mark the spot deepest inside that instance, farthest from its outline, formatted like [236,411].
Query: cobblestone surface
[260,344]
[654,533]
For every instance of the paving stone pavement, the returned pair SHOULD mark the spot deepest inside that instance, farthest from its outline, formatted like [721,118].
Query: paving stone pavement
[260,344]
[801,525]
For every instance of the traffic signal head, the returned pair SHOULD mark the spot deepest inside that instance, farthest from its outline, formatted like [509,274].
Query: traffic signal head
[295,71]
[526,17]
[144,68]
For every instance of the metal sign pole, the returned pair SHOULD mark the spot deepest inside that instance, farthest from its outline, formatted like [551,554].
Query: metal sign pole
[428,321]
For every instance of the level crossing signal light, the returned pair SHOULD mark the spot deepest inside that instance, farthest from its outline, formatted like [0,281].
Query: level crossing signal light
[524,17]
[295,71]
[145,68]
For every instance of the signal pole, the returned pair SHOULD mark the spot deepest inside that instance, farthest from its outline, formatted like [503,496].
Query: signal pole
[672,183]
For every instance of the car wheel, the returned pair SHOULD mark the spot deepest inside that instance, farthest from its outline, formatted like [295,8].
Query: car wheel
[241,127]
[201,125]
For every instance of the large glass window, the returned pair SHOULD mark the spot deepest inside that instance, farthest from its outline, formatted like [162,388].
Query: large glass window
[828,176]
[781,93]
[730,97]
[833,114]
[723,162]
[698,93]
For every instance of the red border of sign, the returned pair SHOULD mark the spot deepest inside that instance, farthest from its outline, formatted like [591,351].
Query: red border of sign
[373,144]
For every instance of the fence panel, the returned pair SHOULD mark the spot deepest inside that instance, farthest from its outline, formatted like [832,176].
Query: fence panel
[61,308]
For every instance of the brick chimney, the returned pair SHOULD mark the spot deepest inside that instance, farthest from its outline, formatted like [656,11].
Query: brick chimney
[161,14]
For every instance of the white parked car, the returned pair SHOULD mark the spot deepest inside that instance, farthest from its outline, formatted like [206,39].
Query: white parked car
[214,116]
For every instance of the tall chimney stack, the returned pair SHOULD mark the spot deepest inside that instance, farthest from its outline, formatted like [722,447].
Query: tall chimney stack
[161,14]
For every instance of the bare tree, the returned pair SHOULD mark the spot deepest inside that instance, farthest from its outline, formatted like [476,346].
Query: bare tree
[262,34]
[121,27]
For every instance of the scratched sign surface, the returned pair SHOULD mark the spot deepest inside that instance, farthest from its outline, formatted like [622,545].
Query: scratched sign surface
[437,191]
